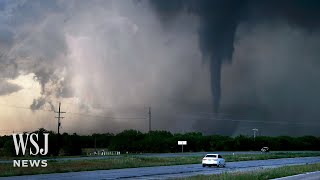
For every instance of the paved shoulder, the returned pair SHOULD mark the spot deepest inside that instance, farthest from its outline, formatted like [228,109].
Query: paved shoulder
[305,176]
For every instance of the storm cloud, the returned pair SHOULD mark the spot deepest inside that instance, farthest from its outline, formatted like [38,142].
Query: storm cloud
[8,88]
[225,27]
[119,57]
[232,60]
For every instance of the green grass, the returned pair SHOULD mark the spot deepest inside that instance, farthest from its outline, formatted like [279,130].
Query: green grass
[55,166]
[264,156]
[87,165]
[265,174]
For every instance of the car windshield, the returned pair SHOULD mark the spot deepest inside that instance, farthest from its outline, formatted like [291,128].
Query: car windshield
[212,156]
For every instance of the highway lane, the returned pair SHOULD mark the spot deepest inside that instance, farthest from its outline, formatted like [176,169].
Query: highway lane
[167,172]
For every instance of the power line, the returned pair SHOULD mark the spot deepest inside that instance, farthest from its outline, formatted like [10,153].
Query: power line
[256,121]
[198,117]
[107,106]
[26,108]
[220,114]
[13,130]
[75,113]
[107,117]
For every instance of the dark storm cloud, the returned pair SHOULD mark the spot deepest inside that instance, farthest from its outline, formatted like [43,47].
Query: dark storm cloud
[221,18]
[167,54]
[116,56]
[251,86]
[37,103]
[8,88]
[31,41]
[40,103]
[8,69]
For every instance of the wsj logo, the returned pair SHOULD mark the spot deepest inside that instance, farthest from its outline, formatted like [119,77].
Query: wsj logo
[22,143]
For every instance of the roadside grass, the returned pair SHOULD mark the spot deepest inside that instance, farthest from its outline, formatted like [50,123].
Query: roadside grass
[38,157]
[57,166]
[265,174]
[8,158]
[265,156]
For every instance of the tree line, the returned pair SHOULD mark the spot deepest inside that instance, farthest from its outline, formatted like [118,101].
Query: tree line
[133,141]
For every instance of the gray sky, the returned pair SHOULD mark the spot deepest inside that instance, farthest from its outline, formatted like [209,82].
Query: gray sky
[107,61]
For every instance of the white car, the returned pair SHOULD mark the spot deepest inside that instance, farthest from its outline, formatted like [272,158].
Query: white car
[265,149]
[213,160]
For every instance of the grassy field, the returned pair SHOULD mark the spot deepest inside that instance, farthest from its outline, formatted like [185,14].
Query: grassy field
[133,161]
[260,174]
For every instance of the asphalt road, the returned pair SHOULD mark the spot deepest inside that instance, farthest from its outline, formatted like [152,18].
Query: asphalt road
[167,172]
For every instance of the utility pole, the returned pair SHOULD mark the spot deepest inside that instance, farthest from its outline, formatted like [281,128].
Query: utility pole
[149,119]
[59,124]
[59,117]
[255,130]
[95,143]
